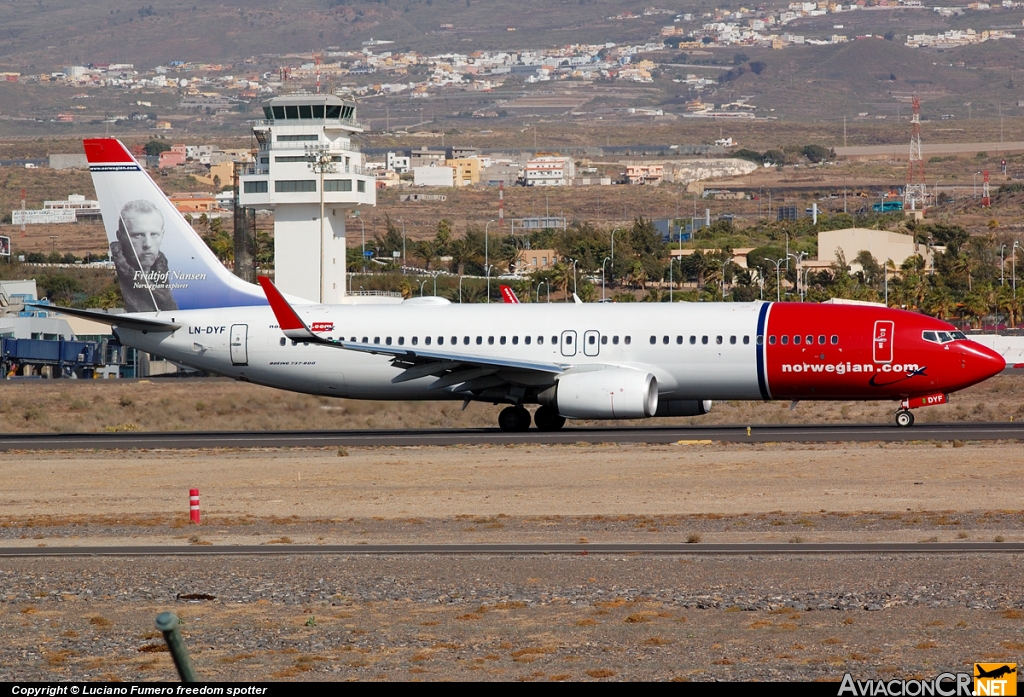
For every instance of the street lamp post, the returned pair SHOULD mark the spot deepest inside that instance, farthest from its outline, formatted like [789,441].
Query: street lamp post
[606,260]
[487,259]
[487,269]
[320,161]
[460,289]
[799,263]
[422,283]
[573,279]
[613,253]
[404,262]
[543,283]
[363,243]
[1016,244]
[778,281]
[1002,265]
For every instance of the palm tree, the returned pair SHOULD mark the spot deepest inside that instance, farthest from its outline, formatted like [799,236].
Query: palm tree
[427,250]
[462,252]
[940,302]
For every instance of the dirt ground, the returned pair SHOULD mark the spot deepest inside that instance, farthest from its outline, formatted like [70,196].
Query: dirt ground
[494,617]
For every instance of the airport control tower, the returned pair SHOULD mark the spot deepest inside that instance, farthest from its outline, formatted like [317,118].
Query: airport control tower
[310,172]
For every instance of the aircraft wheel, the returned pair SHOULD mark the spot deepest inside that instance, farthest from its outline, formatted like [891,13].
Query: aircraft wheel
[547,419]
[514,419]
[904,418]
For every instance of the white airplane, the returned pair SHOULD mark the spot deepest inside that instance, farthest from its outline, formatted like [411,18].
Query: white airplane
[576,361]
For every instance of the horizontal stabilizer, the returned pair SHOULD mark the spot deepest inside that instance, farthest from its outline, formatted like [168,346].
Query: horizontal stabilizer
[127,321]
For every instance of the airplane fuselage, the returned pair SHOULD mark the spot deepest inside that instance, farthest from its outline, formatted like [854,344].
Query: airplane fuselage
[696,351]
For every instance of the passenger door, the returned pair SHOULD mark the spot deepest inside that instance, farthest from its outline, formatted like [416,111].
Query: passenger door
[592,343]
[881,345]
[239,344]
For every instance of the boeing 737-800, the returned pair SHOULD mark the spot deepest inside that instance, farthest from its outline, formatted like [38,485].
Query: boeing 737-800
[576,361]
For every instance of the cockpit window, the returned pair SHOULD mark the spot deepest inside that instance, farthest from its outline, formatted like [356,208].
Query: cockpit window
[942,337]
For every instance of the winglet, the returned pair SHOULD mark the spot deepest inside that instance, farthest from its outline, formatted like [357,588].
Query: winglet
[291,324]
[509,295]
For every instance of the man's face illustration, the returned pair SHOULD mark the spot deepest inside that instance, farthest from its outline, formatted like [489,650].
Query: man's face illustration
[146,232]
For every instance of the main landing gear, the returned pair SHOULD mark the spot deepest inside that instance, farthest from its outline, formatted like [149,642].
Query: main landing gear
[517,419]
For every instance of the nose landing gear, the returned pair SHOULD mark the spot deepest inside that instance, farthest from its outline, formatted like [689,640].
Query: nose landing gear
[904,418]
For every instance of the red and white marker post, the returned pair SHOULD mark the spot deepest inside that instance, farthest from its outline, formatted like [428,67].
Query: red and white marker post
[193,505]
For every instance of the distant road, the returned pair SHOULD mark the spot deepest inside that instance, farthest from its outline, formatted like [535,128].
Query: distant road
[818,433]
[902,150]
[523,549]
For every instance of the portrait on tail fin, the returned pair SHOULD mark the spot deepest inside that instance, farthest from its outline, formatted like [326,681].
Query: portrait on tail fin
[141,267]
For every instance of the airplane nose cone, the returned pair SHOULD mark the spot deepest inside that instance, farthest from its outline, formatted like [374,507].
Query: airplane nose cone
[982,361]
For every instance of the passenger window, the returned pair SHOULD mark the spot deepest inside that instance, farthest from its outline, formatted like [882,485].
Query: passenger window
[490,340]
[732,339]
[664,339]
[796,340]
[416,340]
[628,340]
[426,340]
[653,339]
[527,340]
[693,339]
[465,340]
[554,340]
[515,340]
[568,339]
[771,340]
[388,341]
[540,340]
[366,340]
[604,339]
[785,339]
[440,341]
[704,340]
[615,340]
[821,339]
[376,340]
[591,340]
[401,341]
[746,340]
[810,340]
[835,339]
[479,340]
[295,343]
[283,341]
[679,339]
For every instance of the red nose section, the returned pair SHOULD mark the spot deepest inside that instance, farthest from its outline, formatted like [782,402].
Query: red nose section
[980,362]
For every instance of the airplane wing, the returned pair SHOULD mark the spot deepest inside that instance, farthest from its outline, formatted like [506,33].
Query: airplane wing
[460,372]
[143,324]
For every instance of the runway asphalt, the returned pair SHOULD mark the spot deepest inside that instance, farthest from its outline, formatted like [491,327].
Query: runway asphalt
[522,549]
[818,433]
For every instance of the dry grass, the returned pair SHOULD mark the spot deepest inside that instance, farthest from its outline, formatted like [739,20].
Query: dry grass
[170,405]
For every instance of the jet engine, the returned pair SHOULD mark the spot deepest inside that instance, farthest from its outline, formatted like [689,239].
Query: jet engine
[683,407]
[614,393]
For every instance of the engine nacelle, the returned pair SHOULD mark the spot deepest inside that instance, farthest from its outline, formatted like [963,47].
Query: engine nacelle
[615,393]
[683,407]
